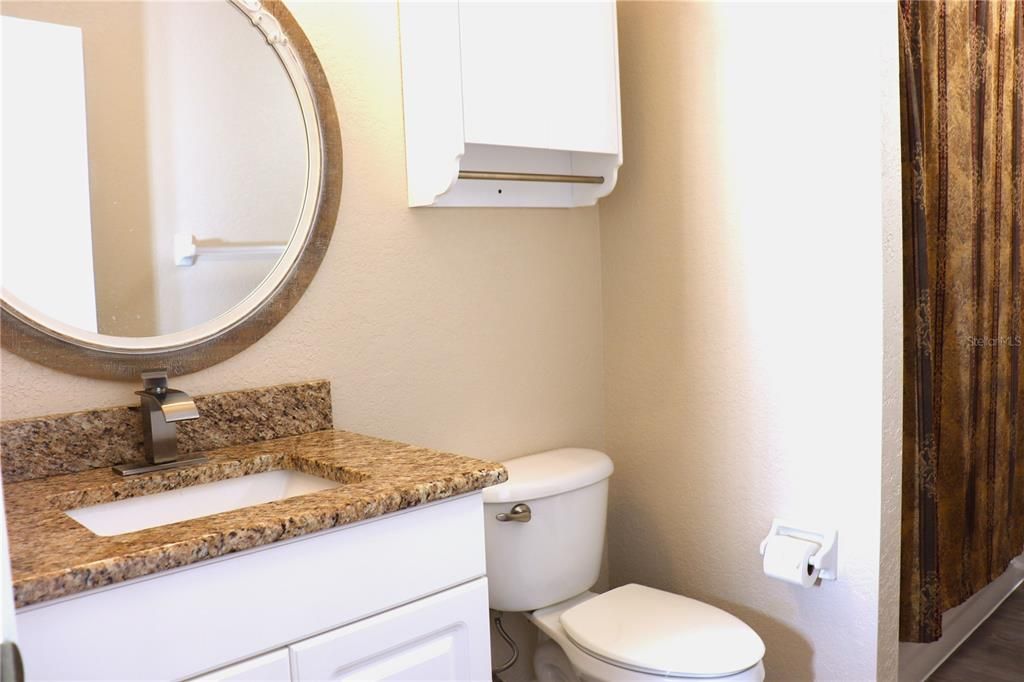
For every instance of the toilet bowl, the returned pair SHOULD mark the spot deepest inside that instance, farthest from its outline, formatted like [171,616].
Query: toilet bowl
[545,534]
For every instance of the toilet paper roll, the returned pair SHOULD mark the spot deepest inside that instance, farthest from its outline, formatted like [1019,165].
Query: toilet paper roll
[788,559]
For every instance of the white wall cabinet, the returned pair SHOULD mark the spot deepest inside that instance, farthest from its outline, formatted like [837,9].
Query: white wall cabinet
[515,87]
[400,597]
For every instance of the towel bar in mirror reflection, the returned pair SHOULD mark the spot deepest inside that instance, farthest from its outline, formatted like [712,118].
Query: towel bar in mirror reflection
[187,249]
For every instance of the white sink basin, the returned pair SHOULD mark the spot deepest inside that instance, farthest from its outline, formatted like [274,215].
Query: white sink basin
[160,509]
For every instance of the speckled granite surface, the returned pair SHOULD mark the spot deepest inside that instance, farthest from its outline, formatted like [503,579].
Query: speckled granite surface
[79,441]
[53,556]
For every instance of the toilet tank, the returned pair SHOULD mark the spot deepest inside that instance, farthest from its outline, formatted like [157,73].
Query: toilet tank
[557,553]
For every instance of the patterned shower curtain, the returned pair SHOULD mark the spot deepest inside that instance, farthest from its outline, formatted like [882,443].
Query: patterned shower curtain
[962,100]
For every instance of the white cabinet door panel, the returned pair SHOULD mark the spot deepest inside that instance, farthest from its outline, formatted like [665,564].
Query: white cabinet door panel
[540,74]
[272,667]
[443,637]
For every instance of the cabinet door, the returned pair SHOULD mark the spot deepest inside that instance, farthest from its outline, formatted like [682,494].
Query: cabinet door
[272,667]
[541,74]
[443,637]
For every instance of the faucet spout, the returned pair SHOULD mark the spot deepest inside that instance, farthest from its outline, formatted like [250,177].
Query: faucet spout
[174,405]
[162,407]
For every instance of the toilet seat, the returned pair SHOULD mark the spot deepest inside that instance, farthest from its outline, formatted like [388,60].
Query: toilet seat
[659,633]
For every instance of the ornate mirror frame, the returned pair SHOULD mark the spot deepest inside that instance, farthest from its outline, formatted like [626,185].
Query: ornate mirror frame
[51,343]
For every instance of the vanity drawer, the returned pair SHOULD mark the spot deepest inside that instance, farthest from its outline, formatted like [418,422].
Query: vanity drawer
[440,638]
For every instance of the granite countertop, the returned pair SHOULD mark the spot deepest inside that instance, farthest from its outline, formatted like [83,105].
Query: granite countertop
[53,556]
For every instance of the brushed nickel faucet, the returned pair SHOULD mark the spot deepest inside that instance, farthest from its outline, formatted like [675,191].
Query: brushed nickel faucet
[161,408]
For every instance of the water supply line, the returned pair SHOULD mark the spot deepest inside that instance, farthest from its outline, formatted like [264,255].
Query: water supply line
[500,627]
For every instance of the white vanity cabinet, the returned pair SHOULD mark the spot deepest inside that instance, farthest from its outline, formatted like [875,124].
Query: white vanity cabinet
[400,597]
[517,87]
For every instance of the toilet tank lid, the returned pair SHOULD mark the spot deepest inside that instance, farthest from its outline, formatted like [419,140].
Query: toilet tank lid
[549,473]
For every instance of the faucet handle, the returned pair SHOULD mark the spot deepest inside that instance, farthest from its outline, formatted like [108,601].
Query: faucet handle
[155,381]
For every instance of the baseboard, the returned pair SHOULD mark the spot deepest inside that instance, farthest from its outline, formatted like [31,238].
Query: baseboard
[918,661]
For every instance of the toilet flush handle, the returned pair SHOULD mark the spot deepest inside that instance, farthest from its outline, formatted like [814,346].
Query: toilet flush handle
[521,513]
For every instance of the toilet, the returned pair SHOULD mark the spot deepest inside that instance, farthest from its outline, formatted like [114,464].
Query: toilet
[545,535]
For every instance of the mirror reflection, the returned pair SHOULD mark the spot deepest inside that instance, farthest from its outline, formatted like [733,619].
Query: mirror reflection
[155,163]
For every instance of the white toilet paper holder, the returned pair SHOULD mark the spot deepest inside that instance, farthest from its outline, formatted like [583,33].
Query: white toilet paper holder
[825,559]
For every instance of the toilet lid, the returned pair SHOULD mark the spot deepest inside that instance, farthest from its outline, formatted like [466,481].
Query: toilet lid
[647,630]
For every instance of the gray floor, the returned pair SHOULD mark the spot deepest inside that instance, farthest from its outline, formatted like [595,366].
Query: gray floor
[995,652]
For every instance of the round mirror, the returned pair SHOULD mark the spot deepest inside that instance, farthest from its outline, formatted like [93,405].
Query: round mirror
[171,173]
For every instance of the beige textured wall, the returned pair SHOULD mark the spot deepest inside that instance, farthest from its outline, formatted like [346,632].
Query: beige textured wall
[743,312]
[471,330]
[743,278]
[892,369]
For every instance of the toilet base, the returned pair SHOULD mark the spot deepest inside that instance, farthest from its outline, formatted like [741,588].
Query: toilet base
[550,664]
